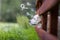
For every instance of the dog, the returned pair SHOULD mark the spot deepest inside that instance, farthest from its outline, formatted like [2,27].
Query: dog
[36,20]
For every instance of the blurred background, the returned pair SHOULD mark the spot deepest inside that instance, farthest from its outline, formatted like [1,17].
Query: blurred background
[14,20]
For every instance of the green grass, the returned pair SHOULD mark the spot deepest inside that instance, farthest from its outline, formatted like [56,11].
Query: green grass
[18,31]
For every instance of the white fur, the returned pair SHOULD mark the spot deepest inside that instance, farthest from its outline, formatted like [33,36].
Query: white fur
[35,20]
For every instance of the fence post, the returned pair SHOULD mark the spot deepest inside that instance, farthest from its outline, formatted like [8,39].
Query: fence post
[54,20]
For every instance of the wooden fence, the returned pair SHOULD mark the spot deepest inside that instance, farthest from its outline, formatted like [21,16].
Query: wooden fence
[49,19]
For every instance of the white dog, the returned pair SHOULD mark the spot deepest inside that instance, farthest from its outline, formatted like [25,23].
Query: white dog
[36,20]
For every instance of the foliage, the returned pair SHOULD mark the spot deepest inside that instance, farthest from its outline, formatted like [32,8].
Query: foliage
[16,34]
[23,21]
[18,31]
[11,12]
[10,9]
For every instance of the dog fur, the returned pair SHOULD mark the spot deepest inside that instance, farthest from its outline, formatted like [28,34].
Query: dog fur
[36,21]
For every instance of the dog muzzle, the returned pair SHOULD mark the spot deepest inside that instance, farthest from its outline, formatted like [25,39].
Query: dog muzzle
[35,20]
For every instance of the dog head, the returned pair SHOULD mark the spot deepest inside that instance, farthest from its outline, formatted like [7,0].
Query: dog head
[35,20]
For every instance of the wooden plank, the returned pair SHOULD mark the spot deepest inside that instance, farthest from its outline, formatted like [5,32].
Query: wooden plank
[54,20]
[48,22]
[43,35]
[44,21]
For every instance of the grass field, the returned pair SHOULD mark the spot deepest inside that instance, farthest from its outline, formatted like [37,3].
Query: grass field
[18,31]
[12,31]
